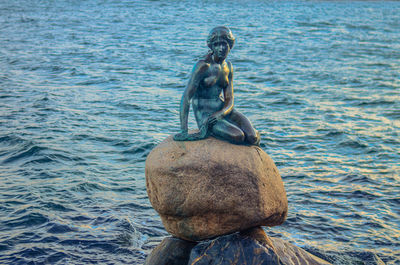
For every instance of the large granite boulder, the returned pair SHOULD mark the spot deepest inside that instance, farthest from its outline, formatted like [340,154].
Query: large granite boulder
[203,189]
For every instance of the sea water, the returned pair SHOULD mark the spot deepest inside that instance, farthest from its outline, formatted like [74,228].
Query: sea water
[88,88]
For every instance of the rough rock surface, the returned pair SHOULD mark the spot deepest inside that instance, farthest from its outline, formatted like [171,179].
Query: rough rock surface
[251,247]
[203,189]
[171,251]
[290,254]
[233,249]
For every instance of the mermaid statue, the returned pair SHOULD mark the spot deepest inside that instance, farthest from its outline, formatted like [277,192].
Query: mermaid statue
[210,89]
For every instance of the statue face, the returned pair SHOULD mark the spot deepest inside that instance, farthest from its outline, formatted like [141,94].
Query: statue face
[220,48]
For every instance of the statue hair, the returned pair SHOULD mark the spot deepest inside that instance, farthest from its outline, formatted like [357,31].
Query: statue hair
[220,32]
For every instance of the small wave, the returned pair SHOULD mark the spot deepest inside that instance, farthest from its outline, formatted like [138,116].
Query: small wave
[14,202]
[245,60]
[133,206]
[24,19]
[376,103]
[34,252]
[292,220]
[5,96]
[101,220]
[125,240]
[96,138]
[303,147]
[395,201]
[130,106]
[126,225]
[287,102]
[360,27]
[40,160]
[32,151]
[51,158]
[373,225]
[348,258]
[379,64]
[90,244]
[56,207]
[388,85]
[89,186]
[124,189]
[257,79]
[364,195]
[60,229]
[353,144]
[80,218]
[335,133]
[358,179]
[28,220]
[352,215]
[94,81]
[350,194]
[269,93]
[153,230]
[175,85]
[55,257]
[11,140]
[121,143]
[143,150]
[316,24]
[296,177]
[394,114]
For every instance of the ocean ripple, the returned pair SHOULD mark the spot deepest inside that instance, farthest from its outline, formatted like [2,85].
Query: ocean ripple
[88,89]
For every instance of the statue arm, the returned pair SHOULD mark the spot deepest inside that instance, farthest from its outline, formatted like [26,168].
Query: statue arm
[184,110]
[228,93]
[190,90]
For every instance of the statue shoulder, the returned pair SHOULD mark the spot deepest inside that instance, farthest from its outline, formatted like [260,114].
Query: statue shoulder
[201,66]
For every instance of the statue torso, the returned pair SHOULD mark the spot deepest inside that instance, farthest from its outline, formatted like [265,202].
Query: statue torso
[208,95]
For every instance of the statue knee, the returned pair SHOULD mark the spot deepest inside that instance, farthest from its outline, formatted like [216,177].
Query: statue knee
[253,139]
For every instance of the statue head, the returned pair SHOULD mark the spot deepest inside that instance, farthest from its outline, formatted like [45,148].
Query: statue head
[220,33]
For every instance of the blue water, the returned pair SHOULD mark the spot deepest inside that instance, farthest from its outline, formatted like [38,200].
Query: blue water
[88,88]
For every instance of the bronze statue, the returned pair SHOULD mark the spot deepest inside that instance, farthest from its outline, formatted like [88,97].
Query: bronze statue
[211,90]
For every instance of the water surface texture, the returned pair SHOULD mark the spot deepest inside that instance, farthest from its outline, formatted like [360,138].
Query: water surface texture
[88,88]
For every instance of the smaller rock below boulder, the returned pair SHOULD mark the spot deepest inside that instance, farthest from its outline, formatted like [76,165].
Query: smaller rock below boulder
[171,251]
[251,247]
[233,249]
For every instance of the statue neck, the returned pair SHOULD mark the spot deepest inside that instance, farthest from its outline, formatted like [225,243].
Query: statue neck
[217,59]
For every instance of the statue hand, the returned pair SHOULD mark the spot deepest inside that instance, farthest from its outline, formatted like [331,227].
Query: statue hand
[213,119]
[182,136]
